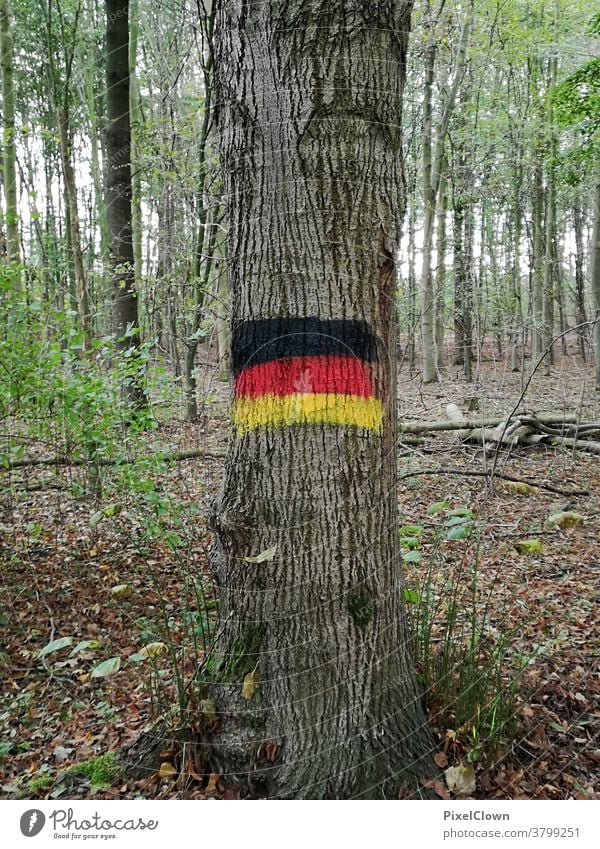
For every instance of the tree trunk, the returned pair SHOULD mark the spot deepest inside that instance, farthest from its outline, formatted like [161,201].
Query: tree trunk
[595,274]
[119,195]
[516,311]
[428,364]
[81,287]
[580,311]
[440,275]
[136,128]
[538,264]
[9,153]
[311,673]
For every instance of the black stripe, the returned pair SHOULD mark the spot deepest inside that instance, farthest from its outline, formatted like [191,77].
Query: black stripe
[266,339]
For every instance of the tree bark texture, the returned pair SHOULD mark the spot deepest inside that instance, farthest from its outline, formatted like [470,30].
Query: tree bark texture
[311,675]
[595,273]
[9,157]
[119,190]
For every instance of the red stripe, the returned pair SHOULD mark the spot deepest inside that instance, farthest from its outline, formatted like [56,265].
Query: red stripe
[302,375]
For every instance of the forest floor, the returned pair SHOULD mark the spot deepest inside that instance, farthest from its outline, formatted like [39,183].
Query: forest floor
[61,574]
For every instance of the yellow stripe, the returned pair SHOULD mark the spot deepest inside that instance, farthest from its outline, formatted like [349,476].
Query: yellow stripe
[282,410]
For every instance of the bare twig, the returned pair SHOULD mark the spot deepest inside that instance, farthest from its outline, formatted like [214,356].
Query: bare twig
[476,474]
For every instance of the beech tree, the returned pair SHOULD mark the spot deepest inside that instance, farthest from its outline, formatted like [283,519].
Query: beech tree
[311,675]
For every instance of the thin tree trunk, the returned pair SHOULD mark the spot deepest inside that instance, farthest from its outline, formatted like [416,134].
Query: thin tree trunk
[428,365]
[580,311]
[136,128]
[516,310]
[432,169]
[118,197]
[538,263]
[311,674]
[81,286]
[595,274]
[9,153]
[440,275]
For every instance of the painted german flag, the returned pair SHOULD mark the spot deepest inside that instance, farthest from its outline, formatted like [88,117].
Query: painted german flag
[304,371]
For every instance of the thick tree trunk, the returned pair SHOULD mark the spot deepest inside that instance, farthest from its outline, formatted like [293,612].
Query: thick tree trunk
[9,153]
[311,674]
[119,195]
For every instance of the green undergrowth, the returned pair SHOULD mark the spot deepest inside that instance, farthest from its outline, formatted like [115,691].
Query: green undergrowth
[471,667]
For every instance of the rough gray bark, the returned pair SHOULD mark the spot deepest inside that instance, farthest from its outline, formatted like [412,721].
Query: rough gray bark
[310,101]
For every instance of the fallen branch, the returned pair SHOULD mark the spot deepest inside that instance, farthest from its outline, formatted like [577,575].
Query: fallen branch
[446,424]
[60,460]
[475,474]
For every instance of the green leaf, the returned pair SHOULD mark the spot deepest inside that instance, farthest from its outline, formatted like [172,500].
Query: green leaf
[437,507]
[566,519]
[84,645]
[456,520]
[461,511]
[411,530]
[410,542]
[96,518]
[412,557]
[529,546]
[153,650]
[121,591]
[412,596]
[458,532]
[107,667]
[55,645]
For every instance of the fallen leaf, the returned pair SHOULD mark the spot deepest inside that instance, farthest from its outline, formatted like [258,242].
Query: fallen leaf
[250,685]
[441,790]
[209,711]
[107,667]
[441,760]
[268,554]
[153,650]
[460,779]
[213,782]
[167,770]
[528,546]
[566,519]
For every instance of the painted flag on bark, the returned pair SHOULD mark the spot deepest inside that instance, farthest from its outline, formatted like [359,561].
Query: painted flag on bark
[304,371]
